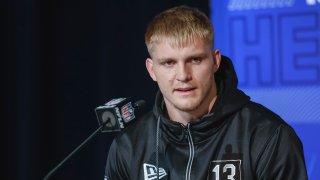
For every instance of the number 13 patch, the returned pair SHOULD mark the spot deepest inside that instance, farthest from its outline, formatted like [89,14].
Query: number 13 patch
[225,170]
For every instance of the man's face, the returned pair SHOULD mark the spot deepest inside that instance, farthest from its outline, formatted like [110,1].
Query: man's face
[185,75]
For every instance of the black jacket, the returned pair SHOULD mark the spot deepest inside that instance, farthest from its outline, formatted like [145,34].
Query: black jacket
[238,139]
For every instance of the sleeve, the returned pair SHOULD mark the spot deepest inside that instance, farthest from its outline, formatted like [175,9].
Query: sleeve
[282,157]
[116,166]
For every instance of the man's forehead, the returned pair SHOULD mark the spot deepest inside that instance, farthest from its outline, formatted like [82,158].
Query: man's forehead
[165,50]
[176,42]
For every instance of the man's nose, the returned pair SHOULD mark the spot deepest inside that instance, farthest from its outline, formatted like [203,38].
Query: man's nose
[183,72]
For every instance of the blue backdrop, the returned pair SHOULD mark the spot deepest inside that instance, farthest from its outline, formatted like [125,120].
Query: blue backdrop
[275,47]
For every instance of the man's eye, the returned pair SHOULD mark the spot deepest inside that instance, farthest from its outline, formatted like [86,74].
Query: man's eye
[168,63]
[196,60]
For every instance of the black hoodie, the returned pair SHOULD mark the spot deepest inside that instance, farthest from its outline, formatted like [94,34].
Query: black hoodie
[238,139]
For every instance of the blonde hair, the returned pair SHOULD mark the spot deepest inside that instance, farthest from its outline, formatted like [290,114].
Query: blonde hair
[179,26]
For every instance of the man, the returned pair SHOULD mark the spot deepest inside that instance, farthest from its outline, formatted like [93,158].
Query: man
[201,126]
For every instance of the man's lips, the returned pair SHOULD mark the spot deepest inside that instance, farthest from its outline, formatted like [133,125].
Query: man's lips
[184,89]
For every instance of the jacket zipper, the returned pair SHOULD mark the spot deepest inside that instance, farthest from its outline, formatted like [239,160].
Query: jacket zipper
[191,153]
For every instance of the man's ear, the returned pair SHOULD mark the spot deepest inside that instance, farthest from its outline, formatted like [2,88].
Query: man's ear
[216,59]
[149,65]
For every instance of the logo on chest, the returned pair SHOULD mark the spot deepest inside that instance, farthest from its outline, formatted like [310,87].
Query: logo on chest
[151,172]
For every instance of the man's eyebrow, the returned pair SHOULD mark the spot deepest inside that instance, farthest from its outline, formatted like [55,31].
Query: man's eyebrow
[164,59]
[202,55]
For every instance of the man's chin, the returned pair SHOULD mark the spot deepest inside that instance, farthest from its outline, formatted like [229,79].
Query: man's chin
[189,106]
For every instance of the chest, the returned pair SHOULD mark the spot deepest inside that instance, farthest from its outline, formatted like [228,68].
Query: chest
[219,158]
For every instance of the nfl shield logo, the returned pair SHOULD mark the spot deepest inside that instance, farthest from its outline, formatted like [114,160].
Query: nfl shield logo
[127,112]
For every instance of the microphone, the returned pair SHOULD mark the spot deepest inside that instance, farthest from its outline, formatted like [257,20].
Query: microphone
[118,113]
[112,117]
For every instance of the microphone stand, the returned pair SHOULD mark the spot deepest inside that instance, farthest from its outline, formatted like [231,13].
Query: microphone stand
[75,150]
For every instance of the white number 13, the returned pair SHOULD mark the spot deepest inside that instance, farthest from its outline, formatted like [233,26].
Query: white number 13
[232,168]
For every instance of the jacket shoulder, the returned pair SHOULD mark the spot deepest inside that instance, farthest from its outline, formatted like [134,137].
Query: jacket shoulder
[259,115]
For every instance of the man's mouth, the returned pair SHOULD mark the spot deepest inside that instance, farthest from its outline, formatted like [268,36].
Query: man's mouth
[184,90]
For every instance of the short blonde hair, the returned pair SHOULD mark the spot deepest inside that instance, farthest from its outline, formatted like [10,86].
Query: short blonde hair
[179,26]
